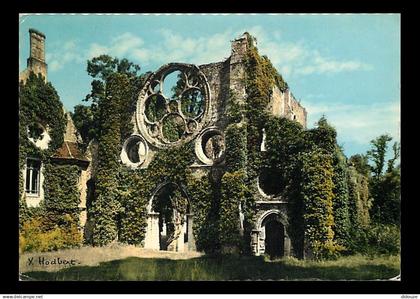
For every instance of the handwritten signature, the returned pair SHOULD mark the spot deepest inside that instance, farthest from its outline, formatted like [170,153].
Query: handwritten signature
[42,261]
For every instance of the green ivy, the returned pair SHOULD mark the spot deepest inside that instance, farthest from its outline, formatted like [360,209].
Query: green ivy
[359,201]
[61,196]
[205,207]
[39,103]
[133,200]
[317,190]
[233,191]
[55,223]
[235,144]
[106,207]
[310,166]
[341,199]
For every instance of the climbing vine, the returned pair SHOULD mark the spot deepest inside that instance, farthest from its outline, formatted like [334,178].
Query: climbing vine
[205,207]
[233,191]
[39,104]
[55,223]
[306,167]
[235,140]
[317,190]
[61,193]
[341,199]
[106,207]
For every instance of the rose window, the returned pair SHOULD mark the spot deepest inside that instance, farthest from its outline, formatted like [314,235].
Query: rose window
[173,105]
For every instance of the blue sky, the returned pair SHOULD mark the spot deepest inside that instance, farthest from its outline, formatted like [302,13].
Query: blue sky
[344,66]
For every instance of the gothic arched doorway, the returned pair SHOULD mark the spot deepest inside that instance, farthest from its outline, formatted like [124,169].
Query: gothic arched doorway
[274,239]
[270,235]
[169,224]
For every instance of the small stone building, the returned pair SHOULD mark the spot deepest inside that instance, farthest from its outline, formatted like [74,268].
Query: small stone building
[68,154]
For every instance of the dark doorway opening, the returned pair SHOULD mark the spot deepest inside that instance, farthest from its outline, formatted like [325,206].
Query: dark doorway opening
[274,239]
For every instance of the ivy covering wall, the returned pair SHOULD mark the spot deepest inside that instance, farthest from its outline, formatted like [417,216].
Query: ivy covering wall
[105,206]
[317,191]
[55,223]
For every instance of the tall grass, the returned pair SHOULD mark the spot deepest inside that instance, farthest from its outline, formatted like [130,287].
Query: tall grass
[231,268]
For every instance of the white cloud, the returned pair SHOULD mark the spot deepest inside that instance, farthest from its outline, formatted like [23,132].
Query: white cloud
[358,123]
[175,47]
[298,59]
[321,65]
[96,50]
[171,47]
[291,58]
[62,54]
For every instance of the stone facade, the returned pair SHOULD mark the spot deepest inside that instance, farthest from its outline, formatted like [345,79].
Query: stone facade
[210,86]
[218,80]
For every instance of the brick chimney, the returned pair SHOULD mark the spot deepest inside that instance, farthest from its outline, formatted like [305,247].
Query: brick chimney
[36,60]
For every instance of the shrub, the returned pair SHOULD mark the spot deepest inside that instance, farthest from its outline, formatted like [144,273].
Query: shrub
[384,239]
[34,237]
[376,239]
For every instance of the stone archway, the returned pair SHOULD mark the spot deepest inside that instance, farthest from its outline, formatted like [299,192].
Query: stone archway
[270,235]
[169,223]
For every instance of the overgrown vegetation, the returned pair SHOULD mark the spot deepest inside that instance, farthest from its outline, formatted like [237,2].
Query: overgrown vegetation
[55,224]
[88,119]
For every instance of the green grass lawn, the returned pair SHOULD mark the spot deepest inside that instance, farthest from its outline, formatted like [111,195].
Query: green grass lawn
[231,268]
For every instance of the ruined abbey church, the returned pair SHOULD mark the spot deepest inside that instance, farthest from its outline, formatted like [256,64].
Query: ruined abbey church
[203,124]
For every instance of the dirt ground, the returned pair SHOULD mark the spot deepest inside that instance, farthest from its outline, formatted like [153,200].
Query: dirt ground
[91,256]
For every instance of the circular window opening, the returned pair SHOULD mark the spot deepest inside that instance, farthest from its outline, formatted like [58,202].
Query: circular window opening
[210,146]
[36,132]
[270,182]
[173,127]
[175,89]
[213,146]
[155,107]
[38,135]
[173,84]
[192,104]
[134,151]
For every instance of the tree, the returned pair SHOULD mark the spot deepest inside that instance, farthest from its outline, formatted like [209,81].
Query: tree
[385,188]
[396,151]
[83,121]
[377,154]
[87,120]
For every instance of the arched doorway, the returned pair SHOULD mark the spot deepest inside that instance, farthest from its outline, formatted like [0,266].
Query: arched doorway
[270,235]
[274,239]
[169,224]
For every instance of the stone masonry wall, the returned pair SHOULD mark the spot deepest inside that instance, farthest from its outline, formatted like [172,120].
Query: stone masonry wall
[284,104]
[228,76]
